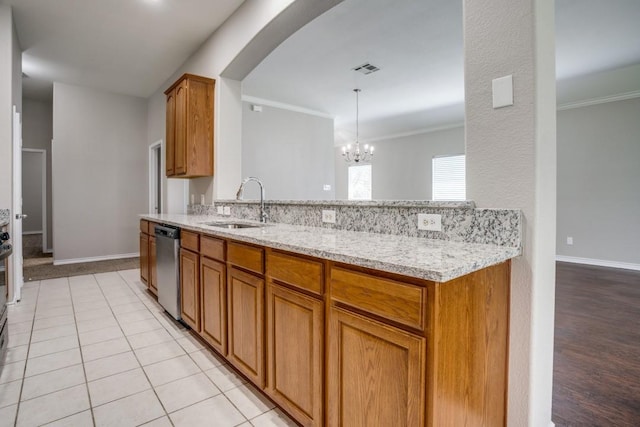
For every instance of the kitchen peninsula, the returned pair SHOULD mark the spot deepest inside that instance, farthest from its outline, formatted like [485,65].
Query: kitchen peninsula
[342,327]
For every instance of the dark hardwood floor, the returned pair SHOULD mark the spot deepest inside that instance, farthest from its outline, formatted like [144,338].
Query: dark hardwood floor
[597,347]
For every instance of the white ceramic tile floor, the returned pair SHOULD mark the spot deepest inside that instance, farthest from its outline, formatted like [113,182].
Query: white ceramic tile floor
[98,350]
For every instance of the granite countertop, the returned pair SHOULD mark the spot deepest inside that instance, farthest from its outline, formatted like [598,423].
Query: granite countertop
[430,259]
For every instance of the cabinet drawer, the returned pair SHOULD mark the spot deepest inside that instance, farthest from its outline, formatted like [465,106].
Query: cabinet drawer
[248,257]
[144,226]
[212,248]
[189,240]
[296,271]
[397,301]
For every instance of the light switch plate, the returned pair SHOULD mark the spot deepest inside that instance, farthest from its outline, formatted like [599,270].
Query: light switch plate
[329,216]
[502,89]
[227,210]
[430,222]
[220,210]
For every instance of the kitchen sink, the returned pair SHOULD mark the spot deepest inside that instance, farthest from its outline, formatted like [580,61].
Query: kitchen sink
[233,225]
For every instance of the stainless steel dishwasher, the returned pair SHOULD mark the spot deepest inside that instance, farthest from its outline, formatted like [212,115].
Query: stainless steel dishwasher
[168,265]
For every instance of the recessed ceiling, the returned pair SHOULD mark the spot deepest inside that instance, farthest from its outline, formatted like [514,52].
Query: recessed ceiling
[123,46]
[418,46]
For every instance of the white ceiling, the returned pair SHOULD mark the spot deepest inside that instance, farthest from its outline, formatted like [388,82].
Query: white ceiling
[133,46]
[418,45]
[123,46]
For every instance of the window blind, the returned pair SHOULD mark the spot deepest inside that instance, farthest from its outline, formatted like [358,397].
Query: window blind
[449,178]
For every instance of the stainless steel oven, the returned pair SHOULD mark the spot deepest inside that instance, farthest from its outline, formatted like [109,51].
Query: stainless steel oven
[5,251]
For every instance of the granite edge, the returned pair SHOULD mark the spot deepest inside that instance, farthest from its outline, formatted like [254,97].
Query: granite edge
[505,254]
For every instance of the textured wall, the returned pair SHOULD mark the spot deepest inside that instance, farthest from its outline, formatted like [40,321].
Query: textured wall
[598,176]
[99,181]
[291,153]
[511,164]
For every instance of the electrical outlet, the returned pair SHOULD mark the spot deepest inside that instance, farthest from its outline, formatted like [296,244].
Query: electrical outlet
[326,187]
[430,222]
[329,216]
[569,240]
[220,210]
[227,210]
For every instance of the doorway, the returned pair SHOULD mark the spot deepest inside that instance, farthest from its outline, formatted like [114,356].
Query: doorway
[156,168]
[34,206]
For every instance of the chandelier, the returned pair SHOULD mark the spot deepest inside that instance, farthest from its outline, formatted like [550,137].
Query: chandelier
[357,155]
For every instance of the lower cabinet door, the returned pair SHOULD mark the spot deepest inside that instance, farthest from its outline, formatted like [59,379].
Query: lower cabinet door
[213,297]
[189,288]
[295,330]
[246,329]
[153,271]
[144,258]
[375,373]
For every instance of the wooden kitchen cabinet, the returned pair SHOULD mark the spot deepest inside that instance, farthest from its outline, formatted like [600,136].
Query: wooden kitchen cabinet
[340,345]
[189,127]
[190,288]
[376,373]
[148,270]
[295,353]
[213,297]
[245,305]
[144,258]
[153,270]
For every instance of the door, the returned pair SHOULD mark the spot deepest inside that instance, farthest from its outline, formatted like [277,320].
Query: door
[246,314]
[295,353]
[375,373]
[16,275]
[171,133]
[180,142]
[155,177]
[189,288]
[34,195]
[213,288]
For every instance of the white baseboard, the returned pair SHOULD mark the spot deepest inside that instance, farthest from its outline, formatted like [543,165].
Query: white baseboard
[25,233]
[598,262]
[93,259]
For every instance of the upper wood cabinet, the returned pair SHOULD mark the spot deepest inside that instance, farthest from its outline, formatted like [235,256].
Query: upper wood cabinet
[189,140]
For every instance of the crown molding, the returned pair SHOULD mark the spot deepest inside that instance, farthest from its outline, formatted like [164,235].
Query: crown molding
[599,100]
[283,106]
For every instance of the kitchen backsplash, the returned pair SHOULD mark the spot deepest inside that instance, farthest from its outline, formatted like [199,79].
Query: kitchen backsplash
[461,221]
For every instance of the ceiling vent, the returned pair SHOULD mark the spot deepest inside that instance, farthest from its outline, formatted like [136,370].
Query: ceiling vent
[366,68]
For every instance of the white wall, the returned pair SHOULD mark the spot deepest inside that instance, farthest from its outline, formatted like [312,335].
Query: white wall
[598,178]
[511,163]
[10,94]
[37,132]
[291,152]
[401,168]
[99,174]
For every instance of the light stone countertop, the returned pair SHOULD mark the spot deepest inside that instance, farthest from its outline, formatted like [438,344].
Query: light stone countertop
[430,259]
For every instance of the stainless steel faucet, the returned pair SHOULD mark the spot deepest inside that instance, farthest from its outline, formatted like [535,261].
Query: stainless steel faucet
[263,213]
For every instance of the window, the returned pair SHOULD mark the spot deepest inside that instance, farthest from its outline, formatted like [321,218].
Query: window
[360,182]
[449,178]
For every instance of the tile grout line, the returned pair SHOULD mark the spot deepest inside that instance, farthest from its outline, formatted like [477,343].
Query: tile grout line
[84,371]
[24,372]
[166,414]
